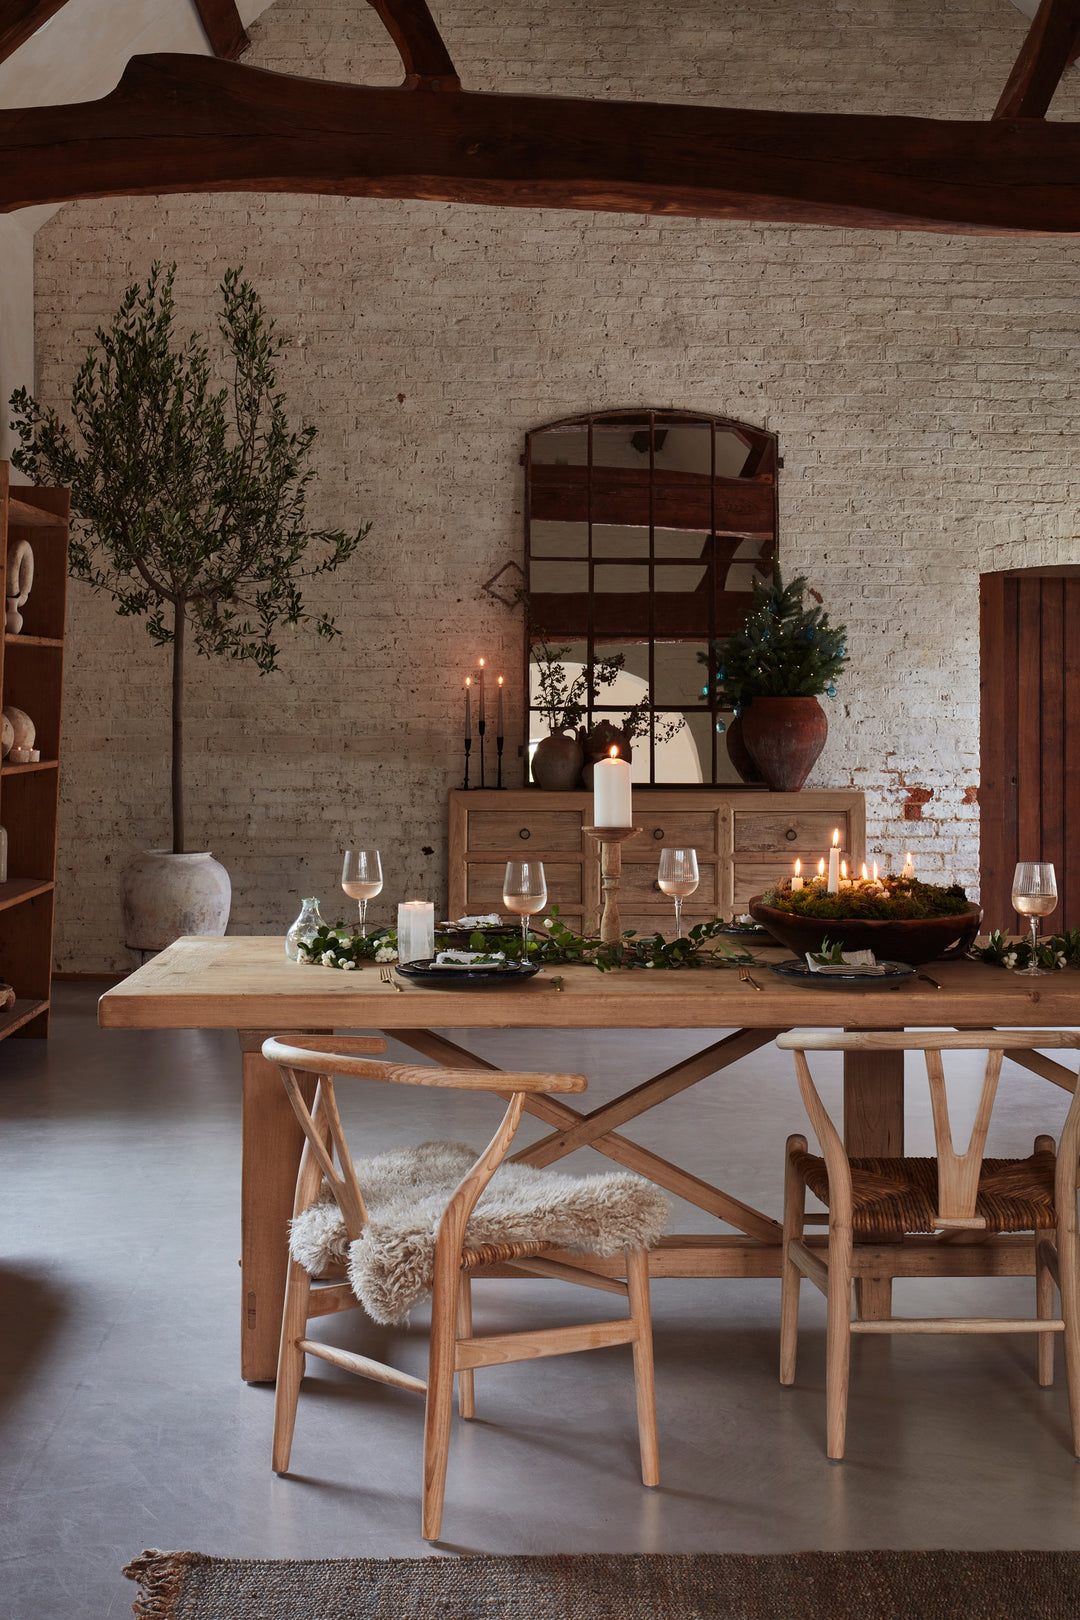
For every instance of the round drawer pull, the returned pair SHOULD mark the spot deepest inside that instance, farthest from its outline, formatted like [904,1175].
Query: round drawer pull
[791,835]
[524,833]
[658,833]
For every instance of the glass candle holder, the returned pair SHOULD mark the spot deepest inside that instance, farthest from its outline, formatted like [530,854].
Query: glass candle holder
[415,930]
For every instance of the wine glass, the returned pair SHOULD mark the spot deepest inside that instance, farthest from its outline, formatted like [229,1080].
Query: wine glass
[524,893]
[678,876]
[1034,895]
[361,878]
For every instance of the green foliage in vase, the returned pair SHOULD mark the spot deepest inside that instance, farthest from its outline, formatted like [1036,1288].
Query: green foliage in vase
[564,702]
[902,898]
[189,499]
[784,648]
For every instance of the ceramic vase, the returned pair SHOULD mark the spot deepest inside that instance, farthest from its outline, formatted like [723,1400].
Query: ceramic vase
[739,754]
[557,763]
[163,896]
[784,736]
[603,737]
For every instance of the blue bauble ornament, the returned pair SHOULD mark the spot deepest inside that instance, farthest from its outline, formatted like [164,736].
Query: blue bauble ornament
[721,673]
[841,651]
[808,633]
[721,726]
[704,691]
[737,711]
[830,691]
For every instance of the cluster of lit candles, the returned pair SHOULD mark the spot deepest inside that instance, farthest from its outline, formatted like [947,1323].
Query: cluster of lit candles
[837,877]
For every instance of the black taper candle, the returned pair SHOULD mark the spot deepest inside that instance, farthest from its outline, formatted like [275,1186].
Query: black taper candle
[468,746]
[481,727]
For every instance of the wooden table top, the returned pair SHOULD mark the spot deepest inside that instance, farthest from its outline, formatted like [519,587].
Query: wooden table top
[243,982]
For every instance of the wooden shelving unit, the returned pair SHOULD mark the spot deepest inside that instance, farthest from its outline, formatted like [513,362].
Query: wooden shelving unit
[31,678]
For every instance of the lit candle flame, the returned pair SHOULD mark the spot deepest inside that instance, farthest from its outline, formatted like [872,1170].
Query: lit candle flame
[500,680]
[836,836]
[468,680]
[843,870]
[613,753]
[865,874]
[481,663]
[798,868]
[821,867]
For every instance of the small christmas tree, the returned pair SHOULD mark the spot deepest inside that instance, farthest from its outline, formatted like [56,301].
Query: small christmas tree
[784,649]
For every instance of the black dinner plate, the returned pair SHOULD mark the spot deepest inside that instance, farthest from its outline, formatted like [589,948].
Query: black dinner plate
[797,971]
[750,930]
[424,972]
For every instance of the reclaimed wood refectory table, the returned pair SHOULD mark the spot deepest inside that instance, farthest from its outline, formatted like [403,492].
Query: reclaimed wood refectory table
[247,984]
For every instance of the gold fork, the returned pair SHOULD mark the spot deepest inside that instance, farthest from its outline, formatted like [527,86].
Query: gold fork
[388,978]
[744,978]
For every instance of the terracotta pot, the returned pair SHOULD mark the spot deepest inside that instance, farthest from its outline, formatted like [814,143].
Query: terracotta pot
[557,762]
[903,939]
[163,896]
[784,735]
[739,754]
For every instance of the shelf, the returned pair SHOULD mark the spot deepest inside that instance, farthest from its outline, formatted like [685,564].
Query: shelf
[11,640]
[16,890]
[24,770]
[20,1014]
[24,516]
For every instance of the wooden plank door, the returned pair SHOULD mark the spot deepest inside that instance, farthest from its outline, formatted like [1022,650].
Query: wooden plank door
[1029,796]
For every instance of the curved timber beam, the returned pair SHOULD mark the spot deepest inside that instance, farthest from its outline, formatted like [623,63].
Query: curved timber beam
[182,123]
[420,45]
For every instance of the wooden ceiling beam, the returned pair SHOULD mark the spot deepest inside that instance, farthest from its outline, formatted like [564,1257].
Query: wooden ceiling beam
[223,28]
[420,45]
[194,124]
[19,19]
[1048,48]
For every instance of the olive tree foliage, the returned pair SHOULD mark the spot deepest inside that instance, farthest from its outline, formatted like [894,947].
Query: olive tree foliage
[188,499]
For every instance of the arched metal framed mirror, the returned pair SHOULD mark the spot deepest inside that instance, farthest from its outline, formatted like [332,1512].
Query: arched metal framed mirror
[644,530]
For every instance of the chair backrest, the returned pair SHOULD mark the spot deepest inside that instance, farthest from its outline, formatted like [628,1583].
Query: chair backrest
[330,1056]
[957,1173]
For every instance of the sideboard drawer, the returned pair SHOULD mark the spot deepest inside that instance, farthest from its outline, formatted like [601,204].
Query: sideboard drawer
[755,879]
[484,884]
[802,832]
[528,830]
[677,829]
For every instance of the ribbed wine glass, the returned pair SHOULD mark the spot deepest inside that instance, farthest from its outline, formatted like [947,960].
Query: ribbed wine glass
[362,879]
[524,893]
[678,876]
[1034,895]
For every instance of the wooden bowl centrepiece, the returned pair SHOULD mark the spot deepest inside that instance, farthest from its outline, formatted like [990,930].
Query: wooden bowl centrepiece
[900,939]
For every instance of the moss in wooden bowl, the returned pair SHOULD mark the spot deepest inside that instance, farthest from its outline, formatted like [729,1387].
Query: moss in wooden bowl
[889,899]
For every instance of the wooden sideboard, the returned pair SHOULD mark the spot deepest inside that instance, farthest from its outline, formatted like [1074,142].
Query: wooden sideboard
[746,839]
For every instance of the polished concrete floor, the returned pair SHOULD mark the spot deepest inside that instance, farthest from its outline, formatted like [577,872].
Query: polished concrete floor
[124,1424]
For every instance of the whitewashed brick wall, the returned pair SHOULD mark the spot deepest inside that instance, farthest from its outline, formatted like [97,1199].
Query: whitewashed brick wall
[921,387]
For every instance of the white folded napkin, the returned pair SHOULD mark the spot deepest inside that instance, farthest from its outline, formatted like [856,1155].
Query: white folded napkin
[492,920]
[863,962]
[467,959]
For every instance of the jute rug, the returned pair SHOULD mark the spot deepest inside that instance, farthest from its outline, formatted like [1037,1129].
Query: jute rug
[608,1586]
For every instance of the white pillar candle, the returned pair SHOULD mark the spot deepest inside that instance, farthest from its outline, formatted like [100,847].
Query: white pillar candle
[834,863]
[611,792]
[909,867]
[415,930]
[796,881]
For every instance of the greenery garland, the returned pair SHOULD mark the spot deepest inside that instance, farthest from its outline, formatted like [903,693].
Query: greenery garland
[1055,951]
[890,900]
[339,947]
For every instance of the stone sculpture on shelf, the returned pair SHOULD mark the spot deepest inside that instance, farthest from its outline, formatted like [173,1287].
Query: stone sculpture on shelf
[7,736]
[20,582]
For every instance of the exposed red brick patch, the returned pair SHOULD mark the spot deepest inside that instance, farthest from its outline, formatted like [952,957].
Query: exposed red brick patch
[916,798]
[971,795]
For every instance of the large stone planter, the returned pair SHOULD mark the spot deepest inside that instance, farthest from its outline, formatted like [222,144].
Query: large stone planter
[784,735]
[163,896]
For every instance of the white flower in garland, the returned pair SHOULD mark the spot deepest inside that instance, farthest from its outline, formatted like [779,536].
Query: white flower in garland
[1009,959]
[329,959]
[348,967]
[386,953]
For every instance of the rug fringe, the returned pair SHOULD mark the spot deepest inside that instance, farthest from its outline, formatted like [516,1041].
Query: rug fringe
[160,1575]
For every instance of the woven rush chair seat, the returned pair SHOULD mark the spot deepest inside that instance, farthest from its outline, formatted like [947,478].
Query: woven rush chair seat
[892,1197]
[958,1214]
[522,1211]
[419,1221]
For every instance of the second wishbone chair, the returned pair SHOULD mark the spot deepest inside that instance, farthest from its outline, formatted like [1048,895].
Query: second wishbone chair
[334,1221]
[955,1215]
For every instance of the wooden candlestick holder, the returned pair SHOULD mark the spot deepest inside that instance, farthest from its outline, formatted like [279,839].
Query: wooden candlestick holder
[611,840]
